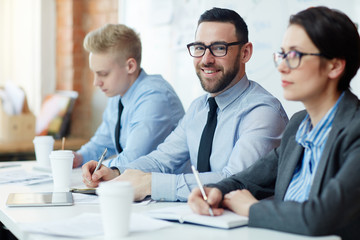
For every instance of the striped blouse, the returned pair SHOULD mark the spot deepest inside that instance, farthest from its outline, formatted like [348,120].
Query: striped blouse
[313,139]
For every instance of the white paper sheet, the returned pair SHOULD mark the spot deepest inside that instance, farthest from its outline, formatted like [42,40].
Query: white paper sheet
[80,198]
[90,225]
[22,177]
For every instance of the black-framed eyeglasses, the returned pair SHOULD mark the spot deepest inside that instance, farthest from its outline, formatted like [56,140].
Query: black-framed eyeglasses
[217,49]
[292,58]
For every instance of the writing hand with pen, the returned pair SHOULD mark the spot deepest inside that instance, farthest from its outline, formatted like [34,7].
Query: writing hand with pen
[94,172]
[199,205]
[202,206]
[238,201]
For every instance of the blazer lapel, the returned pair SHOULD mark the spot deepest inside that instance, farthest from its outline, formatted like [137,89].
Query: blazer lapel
[321,169]
[345,113]
[287,167]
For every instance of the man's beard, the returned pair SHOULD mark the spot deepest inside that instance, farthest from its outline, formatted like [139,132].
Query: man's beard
[223,82]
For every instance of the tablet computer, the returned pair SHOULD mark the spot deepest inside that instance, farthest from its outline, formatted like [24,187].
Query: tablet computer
[40,199]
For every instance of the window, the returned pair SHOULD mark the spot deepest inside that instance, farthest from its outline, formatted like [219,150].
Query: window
[27,47]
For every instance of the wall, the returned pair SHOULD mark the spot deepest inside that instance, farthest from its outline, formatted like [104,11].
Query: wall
[75,18]
[166,26]
[28,43]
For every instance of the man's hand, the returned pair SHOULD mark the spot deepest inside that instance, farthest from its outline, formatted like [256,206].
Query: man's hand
[200,206]
[92,179]
[140,181]
[78,160]
[239,201]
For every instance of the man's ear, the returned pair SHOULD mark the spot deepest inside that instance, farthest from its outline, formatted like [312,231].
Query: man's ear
[246,52]
[131,65]
[337,68]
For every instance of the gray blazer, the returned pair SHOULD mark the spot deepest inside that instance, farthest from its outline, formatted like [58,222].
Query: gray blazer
[333,206]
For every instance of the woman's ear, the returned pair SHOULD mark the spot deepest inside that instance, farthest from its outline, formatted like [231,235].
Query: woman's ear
[131,65]
[337,68]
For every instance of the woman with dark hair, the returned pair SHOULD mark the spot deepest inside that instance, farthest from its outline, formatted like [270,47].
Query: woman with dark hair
[310,184]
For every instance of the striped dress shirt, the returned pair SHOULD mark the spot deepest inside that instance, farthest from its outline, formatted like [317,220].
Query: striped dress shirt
[313,140]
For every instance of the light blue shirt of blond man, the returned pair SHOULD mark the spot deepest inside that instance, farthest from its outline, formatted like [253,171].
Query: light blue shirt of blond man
[250,122]
[151,111]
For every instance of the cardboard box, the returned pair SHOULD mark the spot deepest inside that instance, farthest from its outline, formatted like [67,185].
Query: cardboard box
[17,128]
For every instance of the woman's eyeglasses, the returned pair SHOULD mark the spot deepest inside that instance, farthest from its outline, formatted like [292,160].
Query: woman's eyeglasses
[292,58]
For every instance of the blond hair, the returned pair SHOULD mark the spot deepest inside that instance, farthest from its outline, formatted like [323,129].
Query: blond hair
[115,38]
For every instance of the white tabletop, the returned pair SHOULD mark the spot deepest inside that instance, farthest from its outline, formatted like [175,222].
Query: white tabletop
[12,217]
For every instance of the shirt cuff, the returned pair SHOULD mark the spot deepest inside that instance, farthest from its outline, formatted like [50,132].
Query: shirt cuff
[84,156]
[115,168]
[163,187]
[111,163]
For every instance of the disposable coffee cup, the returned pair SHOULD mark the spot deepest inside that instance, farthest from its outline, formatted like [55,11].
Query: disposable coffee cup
[43,146]
[115,205]
[61,168]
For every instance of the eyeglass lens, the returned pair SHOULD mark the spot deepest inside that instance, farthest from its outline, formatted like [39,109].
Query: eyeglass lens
[198,50]
[292,59]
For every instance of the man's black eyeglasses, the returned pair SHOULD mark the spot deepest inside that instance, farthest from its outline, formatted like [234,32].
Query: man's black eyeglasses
[218,49]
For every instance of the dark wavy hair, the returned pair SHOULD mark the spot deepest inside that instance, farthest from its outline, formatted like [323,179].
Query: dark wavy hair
[335,35]
[227,16]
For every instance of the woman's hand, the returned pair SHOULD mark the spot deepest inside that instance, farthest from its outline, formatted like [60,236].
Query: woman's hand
[239,201]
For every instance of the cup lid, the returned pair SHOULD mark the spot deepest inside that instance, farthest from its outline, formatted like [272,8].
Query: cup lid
[115,188]
[44,139]
[61,153]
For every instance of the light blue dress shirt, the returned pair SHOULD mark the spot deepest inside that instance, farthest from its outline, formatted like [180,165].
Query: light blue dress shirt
[313,139]
[151,111]
[250,122]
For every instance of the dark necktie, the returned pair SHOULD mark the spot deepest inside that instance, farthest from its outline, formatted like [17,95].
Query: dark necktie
[203,164]
[117,128]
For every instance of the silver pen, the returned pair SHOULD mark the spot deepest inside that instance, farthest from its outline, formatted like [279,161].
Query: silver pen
[196,174]
[100,160]
[10,165]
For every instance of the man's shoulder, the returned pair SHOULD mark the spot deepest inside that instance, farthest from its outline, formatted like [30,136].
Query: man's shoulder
[154,77]
[154,83]
[154,91]
[257,89]
[149,78]
[198,102]
[258,95]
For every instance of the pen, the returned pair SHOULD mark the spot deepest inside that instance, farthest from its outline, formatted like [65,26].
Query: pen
[10,165]
[196,174]
[100,160]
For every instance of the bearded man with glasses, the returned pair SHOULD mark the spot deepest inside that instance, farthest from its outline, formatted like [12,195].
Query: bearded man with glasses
[313,176]
[223,131]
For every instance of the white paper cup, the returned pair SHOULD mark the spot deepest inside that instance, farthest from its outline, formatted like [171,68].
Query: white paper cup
[115,205]
[43,146]
[61,167]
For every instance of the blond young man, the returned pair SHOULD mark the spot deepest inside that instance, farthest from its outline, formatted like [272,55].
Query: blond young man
[149,107]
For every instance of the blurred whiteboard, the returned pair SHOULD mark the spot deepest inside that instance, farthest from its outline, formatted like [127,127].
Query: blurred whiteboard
[166,26]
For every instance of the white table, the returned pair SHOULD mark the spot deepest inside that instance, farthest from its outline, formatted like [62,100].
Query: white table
[12,217]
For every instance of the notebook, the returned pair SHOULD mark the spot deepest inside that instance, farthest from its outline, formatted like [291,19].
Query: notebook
[184,214]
